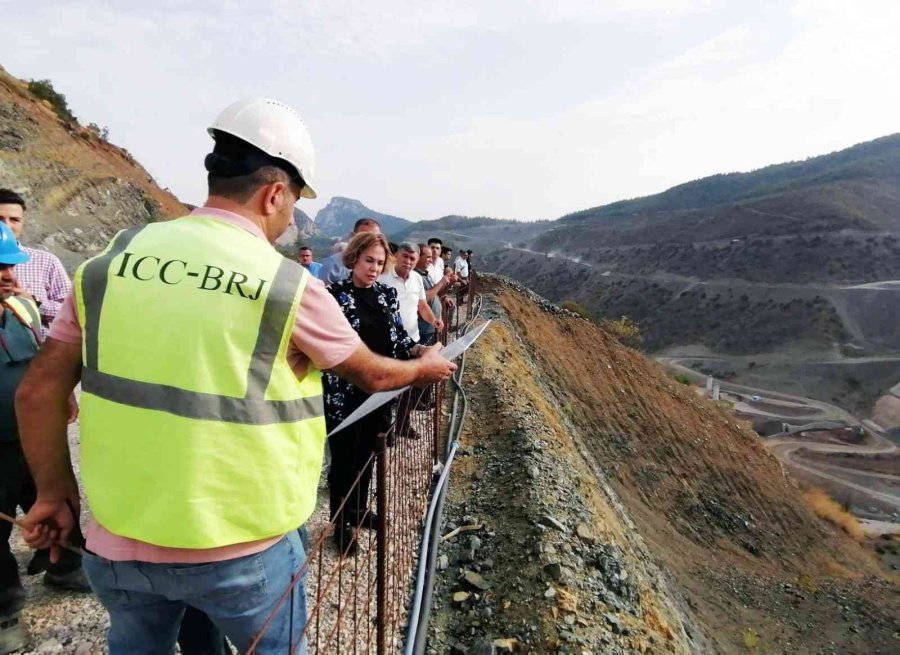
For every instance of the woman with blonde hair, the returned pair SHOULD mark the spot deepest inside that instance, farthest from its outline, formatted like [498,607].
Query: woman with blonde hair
[372,310]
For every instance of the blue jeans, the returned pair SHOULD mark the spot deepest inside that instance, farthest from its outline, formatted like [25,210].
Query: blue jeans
[147,601]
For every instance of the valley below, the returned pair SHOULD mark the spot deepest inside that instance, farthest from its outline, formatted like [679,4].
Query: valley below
[852,458]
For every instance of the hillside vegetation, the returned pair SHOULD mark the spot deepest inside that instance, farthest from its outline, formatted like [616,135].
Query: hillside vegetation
[80,188]
[781,263]
[865,162]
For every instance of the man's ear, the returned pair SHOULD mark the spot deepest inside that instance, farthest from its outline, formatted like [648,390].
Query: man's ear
[273,197]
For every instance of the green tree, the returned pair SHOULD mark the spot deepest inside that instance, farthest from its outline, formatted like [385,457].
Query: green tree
[100,132]
[625,330]
[44,90]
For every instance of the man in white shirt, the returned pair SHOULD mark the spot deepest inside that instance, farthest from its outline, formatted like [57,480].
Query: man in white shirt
[410,291]
[461,265]
[436,267]
[413,304]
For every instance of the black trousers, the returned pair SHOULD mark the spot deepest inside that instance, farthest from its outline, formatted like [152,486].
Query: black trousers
[199,635]
[351,450]
[17,491]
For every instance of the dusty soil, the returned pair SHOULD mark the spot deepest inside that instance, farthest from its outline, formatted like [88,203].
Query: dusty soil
[746,566]
[559,571]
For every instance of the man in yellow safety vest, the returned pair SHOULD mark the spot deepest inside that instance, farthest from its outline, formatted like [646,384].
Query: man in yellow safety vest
[199,350]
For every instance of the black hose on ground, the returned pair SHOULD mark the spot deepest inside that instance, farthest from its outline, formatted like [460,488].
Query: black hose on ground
[417,631]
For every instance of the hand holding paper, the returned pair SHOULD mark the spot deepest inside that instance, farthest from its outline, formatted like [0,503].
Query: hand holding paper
[451,352]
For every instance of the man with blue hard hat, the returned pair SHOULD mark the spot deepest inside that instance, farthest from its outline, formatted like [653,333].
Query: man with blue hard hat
[20,340]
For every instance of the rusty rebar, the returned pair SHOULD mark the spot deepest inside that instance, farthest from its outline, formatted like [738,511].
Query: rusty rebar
[381,543]
[403,482]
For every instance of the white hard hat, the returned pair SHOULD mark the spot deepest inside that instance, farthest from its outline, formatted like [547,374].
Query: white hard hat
[274,128]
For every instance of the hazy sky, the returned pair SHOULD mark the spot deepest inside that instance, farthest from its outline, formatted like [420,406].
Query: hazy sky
[525,109]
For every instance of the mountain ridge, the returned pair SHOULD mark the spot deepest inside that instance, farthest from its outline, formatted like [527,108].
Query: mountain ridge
[336,219]
[869,159]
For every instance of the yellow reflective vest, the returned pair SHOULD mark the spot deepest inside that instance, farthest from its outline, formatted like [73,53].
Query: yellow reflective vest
[27,312]
[195,432]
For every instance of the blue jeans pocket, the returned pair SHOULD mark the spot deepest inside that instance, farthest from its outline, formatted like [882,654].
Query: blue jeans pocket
[235,586]
[102,578]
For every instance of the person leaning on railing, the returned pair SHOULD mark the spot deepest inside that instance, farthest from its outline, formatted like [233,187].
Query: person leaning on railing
[199,350]
[428,332]
[373,310]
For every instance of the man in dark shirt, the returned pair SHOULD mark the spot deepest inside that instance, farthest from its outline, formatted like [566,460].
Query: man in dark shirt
[428,333]
[20,339]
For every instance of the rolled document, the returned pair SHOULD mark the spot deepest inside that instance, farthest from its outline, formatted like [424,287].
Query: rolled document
[378,399]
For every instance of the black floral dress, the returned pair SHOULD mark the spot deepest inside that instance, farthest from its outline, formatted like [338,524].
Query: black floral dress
[374,312]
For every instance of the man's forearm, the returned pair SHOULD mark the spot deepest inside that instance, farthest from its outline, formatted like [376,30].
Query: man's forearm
[436,289]
[431,293]
[372,373]
[426,314]
[42,414]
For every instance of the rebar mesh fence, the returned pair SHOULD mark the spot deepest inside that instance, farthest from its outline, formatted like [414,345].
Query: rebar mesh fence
[358,584]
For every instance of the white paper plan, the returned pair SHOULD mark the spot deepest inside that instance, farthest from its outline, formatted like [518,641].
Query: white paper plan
[376,400]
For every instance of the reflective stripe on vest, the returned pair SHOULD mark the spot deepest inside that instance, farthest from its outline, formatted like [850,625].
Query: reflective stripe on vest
[253,408]
[195,431]
[27,312]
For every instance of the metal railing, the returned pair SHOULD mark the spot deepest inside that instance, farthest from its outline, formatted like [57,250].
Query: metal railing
[358,594]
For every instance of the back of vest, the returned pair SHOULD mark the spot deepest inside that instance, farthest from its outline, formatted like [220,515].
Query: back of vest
[18,347]
[195,432]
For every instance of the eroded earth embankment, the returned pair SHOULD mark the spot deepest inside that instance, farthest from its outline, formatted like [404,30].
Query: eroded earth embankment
[621,513]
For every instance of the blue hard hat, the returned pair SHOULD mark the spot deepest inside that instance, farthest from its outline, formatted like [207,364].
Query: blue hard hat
[10,252]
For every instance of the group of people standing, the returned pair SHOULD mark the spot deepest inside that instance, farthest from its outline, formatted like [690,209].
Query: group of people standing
[201,354]
[393,296]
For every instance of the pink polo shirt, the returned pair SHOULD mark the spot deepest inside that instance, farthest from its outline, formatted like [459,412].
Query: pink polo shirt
[321,336]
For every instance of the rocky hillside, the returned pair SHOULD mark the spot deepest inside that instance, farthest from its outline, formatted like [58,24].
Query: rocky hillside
[336,219]
[80,189]
[673,311]
[786,263]
[621,513]
[299,231]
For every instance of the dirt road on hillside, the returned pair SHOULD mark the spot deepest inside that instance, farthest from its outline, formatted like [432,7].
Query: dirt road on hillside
[785,449]
[879,487]
[828,411]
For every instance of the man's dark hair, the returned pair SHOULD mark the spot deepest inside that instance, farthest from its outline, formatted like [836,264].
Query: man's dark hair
[302,248]
[236,169]
[435,240]
[10,197]
[445,250]
[469,252]
[365,221]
